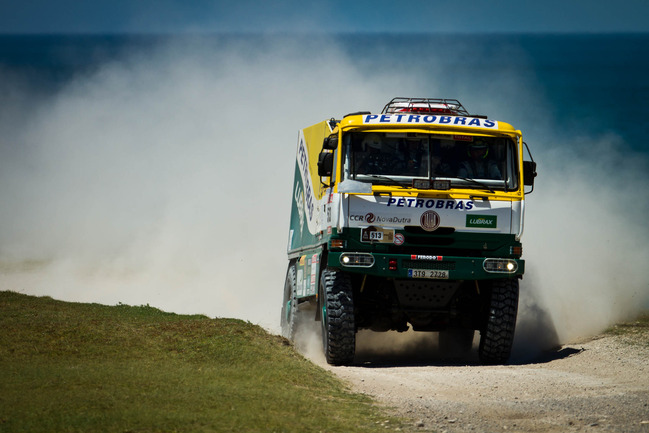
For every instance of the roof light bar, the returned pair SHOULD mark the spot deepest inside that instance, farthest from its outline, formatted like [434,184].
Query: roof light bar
[425,105]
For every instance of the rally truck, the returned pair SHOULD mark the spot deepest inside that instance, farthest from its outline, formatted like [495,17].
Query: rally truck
[410,218]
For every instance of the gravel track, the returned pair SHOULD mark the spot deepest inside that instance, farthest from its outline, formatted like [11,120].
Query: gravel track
[597,385]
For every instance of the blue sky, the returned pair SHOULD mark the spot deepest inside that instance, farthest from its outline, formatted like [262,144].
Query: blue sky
[181,16]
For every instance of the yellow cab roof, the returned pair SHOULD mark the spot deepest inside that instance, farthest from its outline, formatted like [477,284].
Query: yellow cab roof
[409,122]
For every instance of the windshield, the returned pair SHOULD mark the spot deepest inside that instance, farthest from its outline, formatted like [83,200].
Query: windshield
[397,158]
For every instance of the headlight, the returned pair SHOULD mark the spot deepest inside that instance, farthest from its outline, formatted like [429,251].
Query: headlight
[500,266]
[361,260]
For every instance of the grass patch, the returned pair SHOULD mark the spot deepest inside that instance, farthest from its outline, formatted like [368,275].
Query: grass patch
[634,332]
[69,367]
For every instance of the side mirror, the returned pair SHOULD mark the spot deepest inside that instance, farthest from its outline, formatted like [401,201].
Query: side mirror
[330,142]
[529,173]
[325,164]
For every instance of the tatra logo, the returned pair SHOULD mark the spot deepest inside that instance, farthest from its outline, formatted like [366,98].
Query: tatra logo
[429,220]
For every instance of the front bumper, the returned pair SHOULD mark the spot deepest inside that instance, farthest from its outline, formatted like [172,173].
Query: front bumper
[426,266]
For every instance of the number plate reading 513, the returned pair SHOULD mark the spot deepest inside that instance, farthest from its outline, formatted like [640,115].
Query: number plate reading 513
[377,234]
[427,273]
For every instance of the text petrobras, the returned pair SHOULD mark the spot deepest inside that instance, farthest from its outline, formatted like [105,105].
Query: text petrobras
[430,203]
[303,163]
[430,120]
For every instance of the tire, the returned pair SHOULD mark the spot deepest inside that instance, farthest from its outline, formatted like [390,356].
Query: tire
[337,317]
[500,322]
[289,306]
[456,342]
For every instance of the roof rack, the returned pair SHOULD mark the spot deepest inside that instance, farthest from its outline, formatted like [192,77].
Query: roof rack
[425,105]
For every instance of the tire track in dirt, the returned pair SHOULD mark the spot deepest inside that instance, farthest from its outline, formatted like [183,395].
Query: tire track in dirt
[596,385]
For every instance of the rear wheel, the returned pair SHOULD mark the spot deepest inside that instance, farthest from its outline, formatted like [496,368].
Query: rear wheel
[498,331]
[337,317]
[289,305]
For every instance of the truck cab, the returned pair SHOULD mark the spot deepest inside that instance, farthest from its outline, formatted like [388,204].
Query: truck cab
[410,218]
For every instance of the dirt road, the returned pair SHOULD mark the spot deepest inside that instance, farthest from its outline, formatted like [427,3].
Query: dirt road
[597,385]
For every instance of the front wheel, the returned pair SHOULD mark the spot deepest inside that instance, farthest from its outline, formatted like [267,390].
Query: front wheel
[500,322]
[289,304]
[337,317]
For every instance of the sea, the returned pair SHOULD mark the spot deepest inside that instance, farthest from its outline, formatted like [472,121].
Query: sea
[157,170]
[596,82]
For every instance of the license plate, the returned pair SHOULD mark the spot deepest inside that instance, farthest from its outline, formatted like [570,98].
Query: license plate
[427,273]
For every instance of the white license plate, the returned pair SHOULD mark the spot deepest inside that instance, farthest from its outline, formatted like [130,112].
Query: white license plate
[427,273]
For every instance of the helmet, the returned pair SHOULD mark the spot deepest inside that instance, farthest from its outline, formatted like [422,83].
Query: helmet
[372,141]
[478,145]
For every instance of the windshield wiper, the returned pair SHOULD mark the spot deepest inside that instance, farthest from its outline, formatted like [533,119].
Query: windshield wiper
[480,184]
[387,179]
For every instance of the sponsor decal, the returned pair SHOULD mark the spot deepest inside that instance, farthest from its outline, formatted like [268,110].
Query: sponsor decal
[307,193]
[299,200]
[425,257]
[300,283]
[370,218]
[303,162]
[430,203]
[377,234]
[399,239]
[429,220]
[314,270]
[430,119]
[482,221]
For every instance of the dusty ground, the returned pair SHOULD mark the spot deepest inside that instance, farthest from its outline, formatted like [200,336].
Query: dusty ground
[597,385]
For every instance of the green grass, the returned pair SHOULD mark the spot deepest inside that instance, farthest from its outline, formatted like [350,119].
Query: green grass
[69,367]
[635,332]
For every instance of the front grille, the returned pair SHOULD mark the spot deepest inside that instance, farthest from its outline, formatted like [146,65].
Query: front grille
[430,240]
[433,250]
[437,266]
[425,294]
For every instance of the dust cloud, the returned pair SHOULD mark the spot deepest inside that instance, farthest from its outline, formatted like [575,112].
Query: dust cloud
[165,178]
[586,237]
